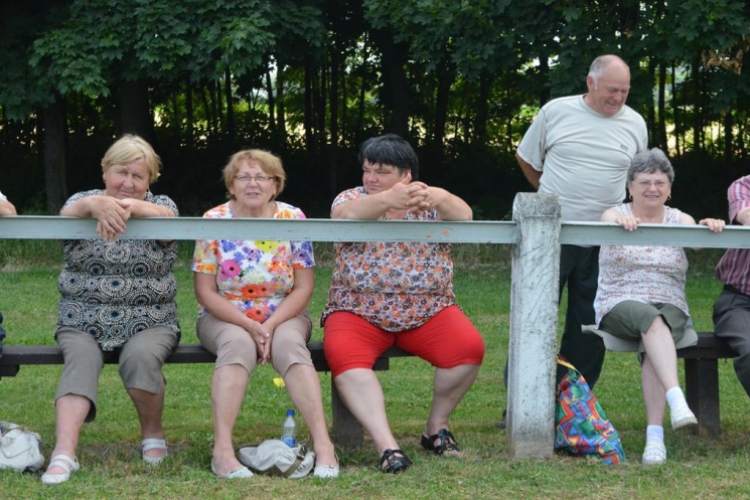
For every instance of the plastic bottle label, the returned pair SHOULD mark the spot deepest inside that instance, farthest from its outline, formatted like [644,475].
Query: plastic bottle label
[289,441]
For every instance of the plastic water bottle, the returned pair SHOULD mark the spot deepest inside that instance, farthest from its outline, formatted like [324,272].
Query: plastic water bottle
[289,429]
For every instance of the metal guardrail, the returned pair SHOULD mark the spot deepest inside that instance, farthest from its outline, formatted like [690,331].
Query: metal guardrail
[492,232]
[193,228]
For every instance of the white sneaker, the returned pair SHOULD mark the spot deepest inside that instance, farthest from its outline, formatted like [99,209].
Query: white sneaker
[654,454]
[683,418]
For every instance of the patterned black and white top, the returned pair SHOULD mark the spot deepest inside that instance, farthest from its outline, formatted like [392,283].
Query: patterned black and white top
[115,289]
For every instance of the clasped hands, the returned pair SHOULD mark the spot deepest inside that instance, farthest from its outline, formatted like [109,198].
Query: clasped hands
[262,337]
[412,196]
[112,215]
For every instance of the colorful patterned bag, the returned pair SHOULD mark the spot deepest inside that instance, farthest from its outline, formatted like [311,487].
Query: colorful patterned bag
[582,428]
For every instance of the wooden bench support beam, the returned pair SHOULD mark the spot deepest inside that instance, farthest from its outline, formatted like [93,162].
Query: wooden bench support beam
[702,394]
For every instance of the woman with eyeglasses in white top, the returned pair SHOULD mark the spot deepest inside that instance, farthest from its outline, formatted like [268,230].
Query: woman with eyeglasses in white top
[640,303]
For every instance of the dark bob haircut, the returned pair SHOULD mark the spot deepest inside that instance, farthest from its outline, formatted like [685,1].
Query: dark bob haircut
[390,149]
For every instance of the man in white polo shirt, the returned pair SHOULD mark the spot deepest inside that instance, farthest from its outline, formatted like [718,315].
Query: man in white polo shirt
[580,147]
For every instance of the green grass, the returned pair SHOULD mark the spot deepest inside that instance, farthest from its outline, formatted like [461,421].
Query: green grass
[697,467]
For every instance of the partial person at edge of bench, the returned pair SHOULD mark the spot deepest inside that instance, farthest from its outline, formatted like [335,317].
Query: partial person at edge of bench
[732,308]
[117,298]
[640,302]
[6,207]
[386,294]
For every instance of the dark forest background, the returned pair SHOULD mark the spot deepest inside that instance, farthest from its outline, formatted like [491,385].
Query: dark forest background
[311,79]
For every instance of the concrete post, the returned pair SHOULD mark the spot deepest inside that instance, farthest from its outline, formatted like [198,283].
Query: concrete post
[533,326]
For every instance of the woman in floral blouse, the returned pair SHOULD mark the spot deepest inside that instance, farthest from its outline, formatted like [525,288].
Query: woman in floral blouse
[387,294]
[252,300]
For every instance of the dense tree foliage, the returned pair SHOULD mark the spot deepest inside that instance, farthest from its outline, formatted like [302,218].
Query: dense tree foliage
[311,79]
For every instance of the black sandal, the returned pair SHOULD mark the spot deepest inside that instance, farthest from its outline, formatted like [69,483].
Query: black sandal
[447,442]
[394,461]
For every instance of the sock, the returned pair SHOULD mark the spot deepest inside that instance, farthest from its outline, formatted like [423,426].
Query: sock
[675,398]
[655,434]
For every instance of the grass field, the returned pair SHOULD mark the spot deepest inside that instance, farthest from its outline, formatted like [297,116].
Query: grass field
[697,467]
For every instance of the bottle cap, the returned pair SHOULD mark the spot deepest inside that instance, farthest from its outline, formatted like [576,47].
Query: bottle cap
[290,413]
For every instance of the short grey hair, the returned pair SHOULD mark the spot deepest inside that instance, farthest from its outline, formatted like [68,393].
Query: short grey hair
[600,63]
[650,161]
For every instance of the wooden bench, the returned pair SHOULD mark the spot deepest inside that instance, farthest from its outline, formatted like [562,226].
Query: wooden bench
[347,432]
[702,380]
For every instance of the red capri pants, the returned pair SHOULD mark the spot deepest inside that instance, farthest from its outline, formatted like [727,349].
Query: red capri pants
[447,340]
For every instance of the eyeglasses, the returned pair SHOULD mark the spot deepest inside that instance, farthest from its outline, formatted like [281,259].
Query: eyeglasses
[260,179]
[647,184]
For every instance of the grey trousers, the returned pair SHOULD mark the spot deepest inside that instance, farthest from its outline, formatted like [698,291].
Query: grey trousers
[732,323]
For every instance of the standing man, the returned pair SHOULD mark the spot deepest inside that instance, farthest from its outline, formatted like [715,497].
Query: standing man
[580,147]
[732,308]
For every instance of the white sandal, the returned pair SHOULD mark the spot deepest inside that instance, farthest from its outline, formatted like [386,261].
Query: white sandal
[326,471]
[654,454]
[69,465]
[241,473]
[153,444]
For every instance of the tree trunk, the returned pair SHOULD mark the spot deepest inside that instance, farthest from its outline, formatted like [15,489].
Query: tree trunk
[334,131]
[677,115]
[280,108]
[189,116]
[271,98]
[650,110]
[661,127]
[309,134]
[320,107]
[230,106]
[445,79]
[345,108]
[544,94]
[55,155]
[697,107]
[362,92]
[135,111]
[396,86]
[207,108]
[481,117]
[728,137]
[218,107]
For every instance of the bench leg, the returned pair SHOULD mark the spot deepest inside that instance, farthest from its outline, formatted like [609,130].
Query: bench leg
[702,394]
[347,431]
[9,370]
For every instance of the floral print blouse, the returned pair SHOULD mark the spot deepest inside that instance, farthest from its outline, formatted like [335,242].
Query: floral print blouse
[652,275]
[396,286]
[255,276]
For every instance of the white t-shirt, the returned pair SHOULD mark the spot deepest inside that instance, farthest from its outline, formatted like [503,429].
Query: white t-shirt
[583,155]
[3,197]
